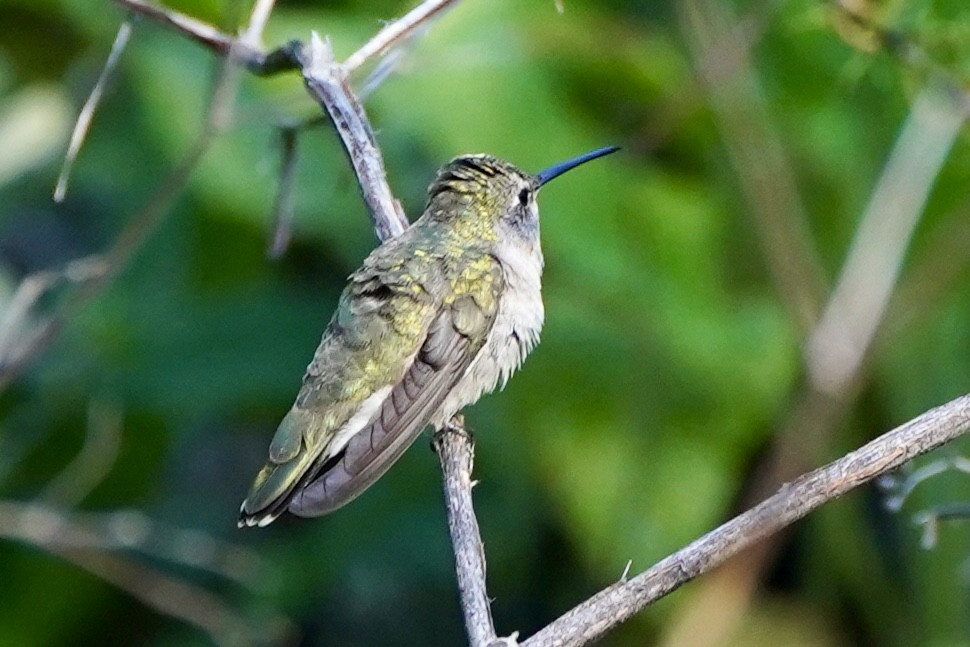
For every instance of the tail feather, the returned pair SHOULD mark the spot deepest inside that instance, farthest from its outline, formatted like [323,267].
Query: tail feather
[274,488]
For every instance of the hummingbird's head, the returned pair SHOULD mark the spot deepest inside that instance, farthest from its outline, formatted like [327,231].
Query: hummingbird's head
[482,195]
[485,197]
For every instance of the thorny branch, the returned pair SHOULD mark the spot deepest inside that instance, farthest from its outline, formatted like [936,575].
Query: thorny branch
[326,80]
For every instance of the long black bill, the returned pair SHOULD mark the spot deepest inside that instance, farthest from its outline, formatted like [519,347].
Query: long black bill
[555,171]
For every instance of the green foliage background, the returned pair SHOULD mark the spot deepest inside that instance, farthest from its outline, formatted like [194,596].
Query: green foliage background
[668,361]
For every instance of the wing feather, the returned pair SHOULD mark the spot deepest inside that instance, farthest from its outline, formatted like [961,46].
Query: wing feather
[442,361]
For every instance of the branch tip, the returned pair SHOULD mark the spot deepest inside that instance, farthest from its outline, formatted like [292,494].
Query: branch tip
[320,60]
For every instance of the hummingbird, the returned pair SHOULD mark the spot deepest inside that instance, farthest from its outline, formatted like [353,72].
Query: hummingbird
[433,319]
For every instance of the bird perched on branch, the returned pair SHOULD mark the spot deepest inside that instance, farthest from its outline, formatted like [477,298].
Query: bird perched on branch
[432,320]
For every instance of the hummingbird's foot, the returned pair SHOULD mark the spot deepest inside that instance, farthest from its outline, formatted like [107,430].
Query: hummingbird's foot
[454,426]
[457,425]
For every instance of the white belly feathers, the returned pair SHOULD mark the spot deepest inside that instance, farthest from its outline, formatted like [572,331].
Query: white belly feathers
[514,333]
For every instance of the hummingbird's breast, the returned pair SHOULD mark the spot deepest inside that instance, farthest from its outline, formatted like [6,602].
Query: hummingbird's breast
[513,335]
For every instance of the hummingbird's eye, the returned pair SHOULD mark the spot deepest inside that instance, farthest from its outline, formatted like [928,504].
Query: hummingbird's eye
[524,197]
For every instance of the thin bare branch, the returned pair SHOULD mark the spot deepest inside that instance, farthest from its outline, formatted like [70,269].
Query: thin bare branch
[418,18]
[281,228]
[257,22]
[54,528]
[87,111]
[92,464]
[327,82]
[203,609]
[792,501]
[251,55]
[201,32]
[456,450]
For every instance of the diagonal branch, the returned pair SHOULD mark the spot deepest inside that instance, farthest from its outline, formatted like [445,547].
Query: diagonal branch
[90,106]
[327,82]
[593,618]
[839,342]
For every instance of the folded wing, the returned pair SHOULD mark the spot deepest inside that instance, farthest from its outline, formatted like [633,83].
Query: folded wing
[454,339]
